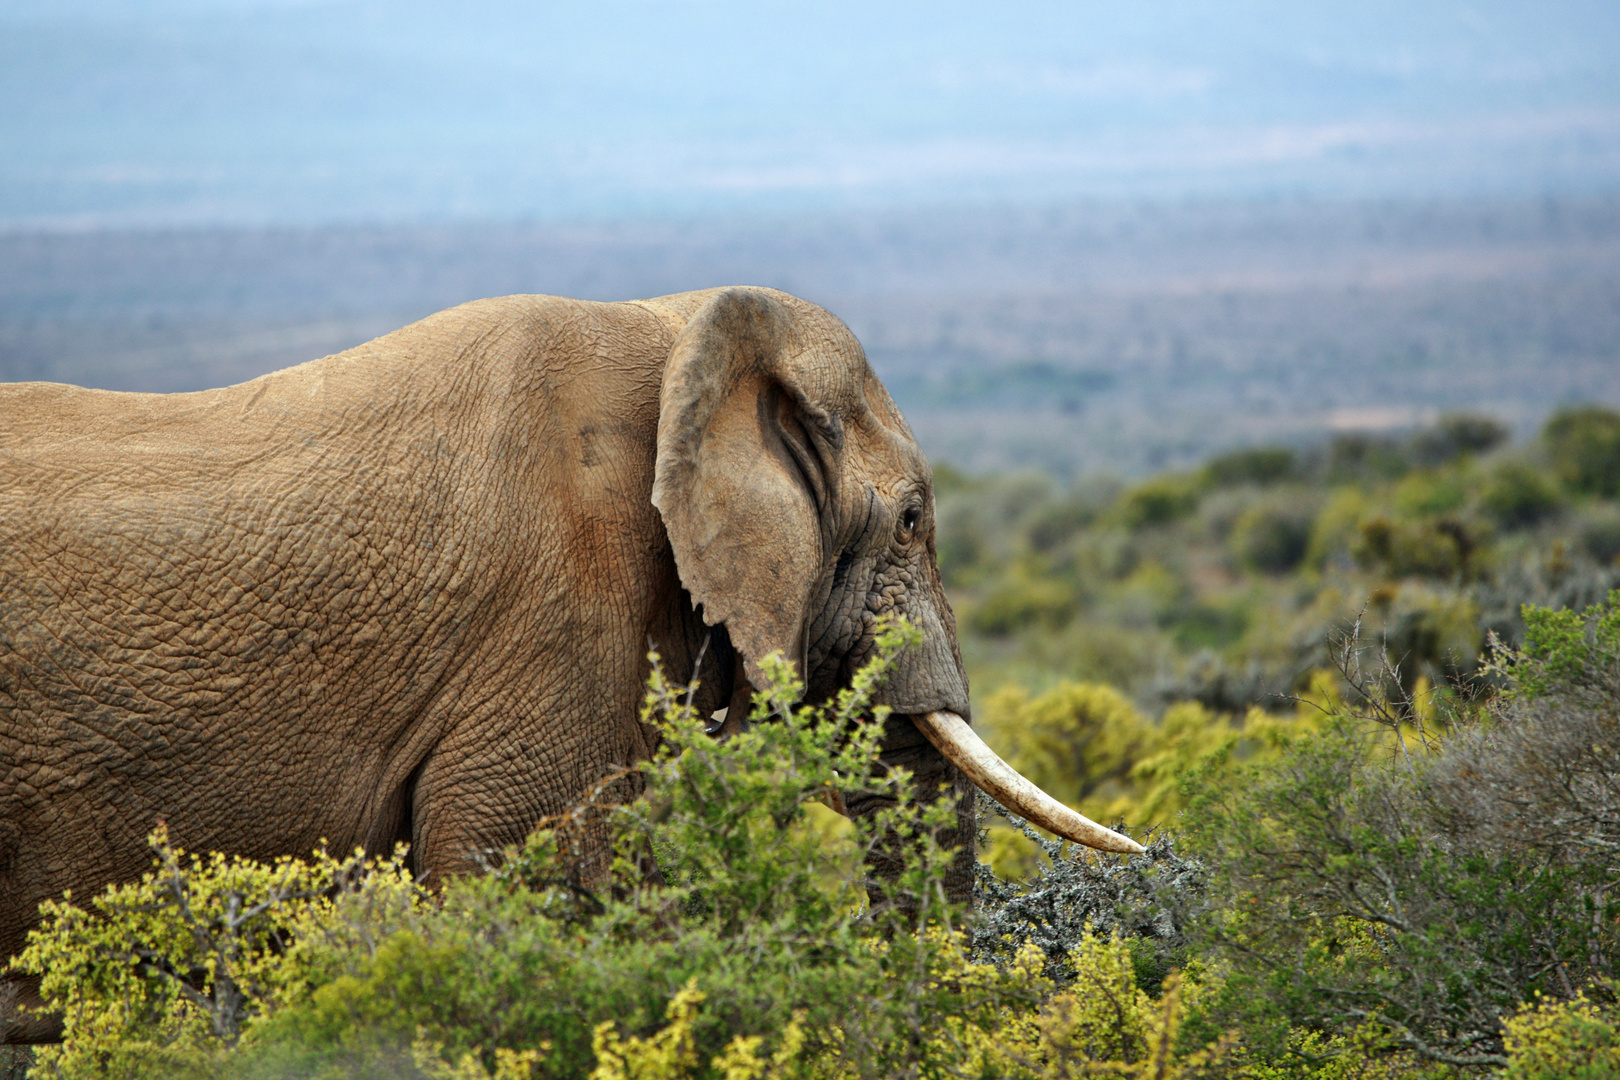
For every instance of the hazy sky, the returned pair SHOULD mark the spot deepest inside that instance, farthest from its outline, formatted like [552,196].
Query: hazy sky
[238,111]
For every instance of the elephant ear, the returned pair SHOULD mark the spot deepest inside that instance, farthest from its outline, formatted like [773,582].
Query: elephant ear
[748,452]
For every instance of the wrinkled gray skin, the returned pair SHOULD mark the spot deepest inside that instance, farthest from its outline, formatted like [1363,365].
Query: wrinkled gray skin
[406,592]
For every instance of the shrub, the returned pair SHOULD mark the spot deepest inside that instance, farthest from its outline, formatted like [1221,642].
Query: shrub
[1456,435]
[1088,745]
[1423,494]
[1207,625]
[1598,534]
[1585,447]
[1224,686]
[1562,1040]
[1056,523]
[1550,579]
[1020,604]
[1152,594]
[1351,905]
[1106,554]
[1160,501]
[1427,633]
[1257,465]
[1072,741]
[1095,651]
[1337,526]
[1272,537]
[962,543]
[1420,891]
[1518,495]
[1360,457]
[168,973]
[1542,777]
[1397,547]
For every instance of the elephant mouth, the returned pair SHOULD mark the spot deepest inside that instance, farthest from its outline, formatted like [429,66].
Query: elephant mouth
[963,748]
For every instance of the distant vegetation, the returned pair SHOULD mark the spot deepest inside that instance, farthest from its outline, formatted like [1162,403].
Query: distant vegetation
[1223,585]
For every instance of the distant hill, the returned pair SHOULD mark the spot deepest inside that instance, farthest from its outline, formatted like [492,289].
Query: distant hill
[1075,337]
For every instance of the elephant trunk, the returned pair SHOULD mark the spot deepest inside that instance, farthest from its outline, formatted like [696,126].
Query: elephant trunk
[959,744]
[933,777]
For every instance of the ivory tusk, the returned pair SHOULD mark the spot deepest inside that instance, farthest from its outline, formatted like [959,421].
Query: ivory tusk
[961,746]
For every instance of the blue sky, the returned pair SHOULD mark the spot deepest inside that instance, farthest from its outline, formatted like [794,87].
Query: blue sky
[239,112]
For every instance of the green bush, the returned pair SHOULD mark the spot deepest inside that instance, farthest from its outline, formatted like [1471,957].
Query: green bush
[1103,554]
[1397,547]
[1207,625]
[1364,458]
[164,977]
[1424,494]
[1017,605]
[1272,537]
[1337,526]
[1457,435]
[1159,501]
[1088,745]
[1383,883]
[1563,1040]
[1598,533]
[1260,465]
[962,543]
[1430,634]
[1059,521]
[1518,495]
[1076,741]
[1585,447]
[1152,594]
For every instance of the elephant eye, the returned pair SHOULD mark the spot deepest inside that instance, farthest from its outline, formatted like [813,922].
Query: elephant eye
[908,525]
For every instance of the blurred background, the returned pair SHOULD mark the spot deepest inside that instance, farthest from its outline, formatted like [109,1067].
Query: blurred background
[1220,319]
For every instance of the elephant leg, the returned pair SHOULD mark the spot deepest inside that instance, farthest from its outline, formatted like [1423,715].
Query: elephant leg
[24,1019]
[739,705]
[467,809]
[934,778]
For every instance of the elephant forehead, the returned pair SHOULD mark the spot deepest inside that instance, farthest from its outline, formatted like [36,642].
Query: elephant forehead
[885,459]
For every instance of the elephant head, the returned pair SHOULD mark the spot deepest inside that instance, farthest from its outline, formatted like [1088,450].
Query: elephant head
[800,511]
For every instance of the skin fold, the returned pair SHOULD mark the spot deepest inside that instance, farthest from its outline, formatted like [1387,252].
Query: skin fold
[406,592]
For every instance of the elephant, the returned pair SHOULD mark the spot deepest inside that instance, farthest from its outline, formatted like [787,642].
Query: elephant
[405,592]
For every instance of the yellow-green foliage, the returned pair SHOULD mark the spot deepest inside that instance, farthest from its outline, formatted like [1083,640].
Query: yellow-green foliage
[1076,741]
[167,975]
[671,1053]
[1159,501]
[1563,1040]
[1101,1025]
[1086,744]
[1021,603]
[180,971]
[1430,492]
[1363,1054]
[1336,524]
[429,1057]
